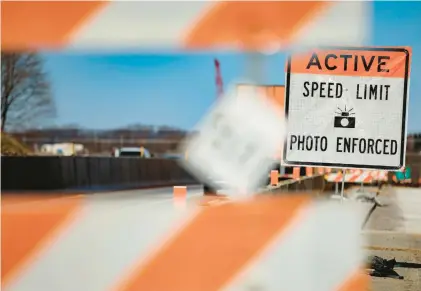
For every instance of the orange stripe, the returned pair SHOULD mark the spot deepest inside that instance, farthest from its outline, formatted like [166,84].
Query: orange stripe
[307,63]
[26,227]
[357,282]
[338,177]
[368,179]
[180,192]
[296,173]
[282,20]
[196,258]
[274,177]
[354,178]
[41,24]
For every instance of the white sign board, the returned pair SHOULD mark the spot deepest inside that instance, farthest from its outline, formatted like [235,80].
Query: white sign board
[347,108]
[235,141]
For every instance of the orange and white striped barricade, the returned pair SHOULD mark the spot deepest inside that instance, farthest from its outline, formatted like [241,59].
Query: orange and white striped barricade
[379,176]
[334,177]
[116,24]
[356,176]
[359,176]
[64,244]
[383,176]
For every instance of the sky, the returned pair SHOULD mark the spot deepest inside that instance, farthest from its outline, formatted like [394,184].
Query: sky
[101,91]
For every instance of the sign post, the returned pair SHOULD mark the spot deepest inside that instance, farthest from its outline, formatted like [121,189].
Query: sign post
[347,108]
[343,185]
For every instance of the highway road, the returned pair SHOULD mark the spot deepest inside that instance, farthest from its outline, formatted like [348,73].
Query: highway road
[409,203]
[138,197]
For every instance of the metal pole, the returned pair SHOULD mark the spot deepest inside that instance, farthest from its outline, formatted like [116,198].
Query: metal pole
[343,184]
[336,188]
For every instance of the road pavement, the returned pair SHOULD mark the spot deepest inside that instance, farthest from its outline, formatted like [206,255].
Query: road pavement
[394,231]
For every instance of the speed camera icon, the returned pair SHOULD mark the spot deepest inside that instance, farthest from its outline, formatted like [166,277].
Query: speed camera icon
[344,118]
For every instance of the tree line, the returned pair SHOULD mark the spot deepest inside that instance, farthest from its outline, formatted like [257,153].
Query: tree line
[26,96]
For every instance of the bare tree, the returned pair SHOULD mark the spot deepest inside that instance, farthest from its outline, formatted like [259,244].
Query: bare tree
[26,98]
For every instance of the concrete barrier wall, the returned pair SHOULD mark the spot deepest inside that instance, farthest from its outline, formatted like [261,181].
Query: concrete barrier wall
[84,173]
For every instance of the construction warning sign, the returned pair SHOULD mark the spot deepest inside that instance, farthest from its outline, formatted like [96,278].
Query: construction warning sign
[347,107]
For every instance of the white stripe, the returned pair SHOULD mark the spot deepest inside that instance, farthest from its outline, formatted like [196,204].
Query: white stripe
[315,253]
[140,23]
[349,177]
[347,23]
[362,177]
[332,177]
[133,24]
[374,175]
[109,237]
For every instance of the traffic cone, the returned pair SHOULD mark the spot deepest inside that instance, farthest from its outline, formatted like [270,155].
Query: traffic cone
[296,173]
[180,196]
[274,177]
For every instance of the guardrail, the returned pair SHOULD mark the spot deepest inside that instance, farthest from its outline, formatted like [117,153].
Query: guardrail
[89,173]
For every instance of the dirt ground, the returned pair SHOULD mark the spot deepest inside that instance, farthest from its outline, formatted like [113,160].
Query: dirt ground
[386,238]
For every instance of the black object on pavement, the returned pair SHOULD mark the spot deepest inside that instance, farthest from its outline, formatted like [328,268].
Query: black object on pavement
[383,268]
